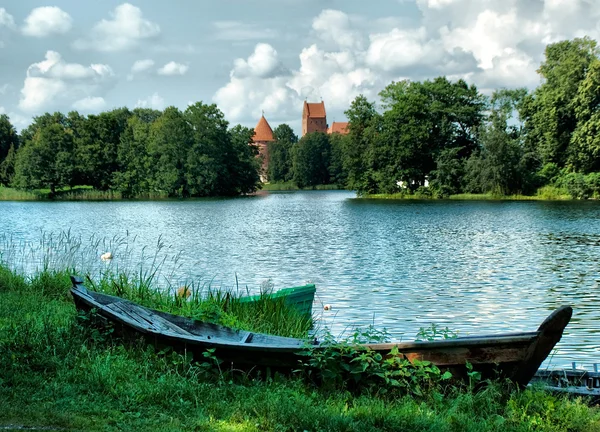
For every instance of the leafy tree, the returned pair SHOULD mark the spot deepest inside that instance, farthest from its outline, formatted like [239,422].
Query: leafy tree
[584,152]
[364,125]
[421,121]
[206,165]
[501,166]
[169,144]
[134,175]
[244,165]
[550,113]
[280,154]
[9,143]
[311,160]
[337,173]
[98,140]
[46,160]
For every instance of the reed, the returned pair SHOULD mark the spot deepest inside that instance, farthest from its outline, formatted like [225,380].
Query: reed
[148,277]
[56,373]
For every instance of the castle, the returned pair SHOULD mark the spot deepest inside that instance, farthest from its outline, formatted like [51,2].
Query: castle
[314,119]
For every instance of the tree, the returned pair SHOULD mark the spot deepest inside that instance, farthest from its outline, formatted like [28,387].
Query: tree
[206,165]
[584,155]
[98,140]
[244,166]
[337,173]
[311,160]
[550,114]
[169,143]
[502,165]
[134,175]
[364,125]
[46,160]
[421,121]
[280,154]
[9,143]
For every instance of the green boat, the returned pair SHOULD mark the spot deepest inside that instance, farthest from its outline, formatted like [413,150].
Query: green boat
[300,297]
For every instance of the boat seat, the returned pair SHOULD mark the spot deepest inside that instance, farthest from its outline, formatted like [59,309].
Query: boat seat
[145,318]
[247,338]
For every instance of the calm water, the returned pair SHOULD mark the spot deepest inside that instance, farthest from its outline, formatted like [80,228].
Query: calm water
[477,267]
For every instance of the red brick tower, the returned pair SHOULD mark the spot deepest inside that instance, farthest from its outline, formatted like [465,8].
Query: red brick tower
[314,118]
[263,135]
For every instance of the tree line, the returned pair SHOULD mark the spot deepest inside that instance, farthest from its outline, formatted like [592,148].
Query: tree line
[440,138]
[434,137]
[142,152]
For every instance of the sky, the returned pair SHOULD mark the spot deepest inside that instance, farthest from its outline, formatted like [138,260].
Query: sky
[254,56]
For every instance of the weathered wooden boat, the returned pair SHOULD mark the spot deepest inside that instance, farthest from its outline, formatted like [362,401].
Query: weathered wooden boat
[514,356]
[300,298]
[574,381]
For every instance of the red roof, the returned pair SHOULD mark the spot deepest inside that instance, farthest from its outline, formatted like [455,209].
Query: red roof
[262,131]
[338,127]
[315,110]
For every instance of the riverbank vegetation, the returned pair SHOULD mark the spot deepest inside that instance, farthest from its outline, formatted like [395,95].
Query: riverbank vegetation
[57,371]
[434,139]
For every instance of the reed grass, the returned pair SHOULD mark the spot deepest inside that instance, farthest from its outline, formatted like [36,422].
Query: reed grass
[78,193]
[57,373]
[291,186]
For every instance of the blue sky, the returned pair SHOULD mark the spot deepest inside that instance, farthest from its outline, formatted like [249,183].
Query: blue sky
[249,56]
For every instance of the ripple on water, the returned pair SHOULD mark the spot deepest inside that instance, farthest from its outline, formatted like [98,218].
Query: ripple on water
[476,267]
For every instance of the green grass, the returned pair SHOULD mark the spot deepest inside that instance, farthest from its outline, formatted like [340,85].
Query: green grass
[291,186]
[77,193]
[546,193]
[55,371]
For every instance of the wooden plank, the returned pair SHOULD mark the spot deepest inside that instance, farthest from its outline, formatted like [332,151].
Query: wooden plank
[155,321]
[117,309]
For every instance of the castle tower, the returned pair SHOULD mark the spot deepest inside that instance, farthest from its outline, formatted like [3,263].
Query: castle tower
[314,118]
[263,135]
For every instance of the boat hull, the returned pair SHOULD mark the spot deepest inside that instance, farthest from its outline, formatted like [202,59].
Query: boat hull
[300,298]
[514,356]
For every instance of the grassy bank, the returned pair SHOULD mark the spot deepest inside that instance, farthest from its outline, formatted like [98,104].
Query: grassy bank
[57,372]
[291,186]
[546,193]
[79,193]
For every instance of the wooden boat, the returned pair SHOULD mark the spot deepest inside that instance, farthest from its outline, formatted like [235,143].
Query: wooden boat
[300,298]
[575,381]
[515,356]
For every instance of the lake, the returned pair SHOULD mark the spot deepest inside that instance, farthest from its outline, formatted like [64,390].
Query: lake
[474,266]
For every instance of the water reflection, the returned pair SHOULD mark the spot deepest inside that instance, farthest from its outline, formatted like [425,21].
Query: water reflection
[472,266]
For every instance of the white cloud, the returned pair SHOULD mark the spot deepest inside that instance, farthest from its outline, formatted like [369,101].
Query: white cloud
[6,19]
[2,110]
[173,68]
[126,29]
[154,101]
[239,31]
[7,23]
[140,66]
[335,28]
[262,63]
[46,21]
[55,84]
[4,89]
[90,103]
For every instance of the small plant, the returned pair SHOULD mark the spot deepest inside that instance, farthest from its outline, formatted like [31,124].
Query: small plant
[349,364]
[433,332]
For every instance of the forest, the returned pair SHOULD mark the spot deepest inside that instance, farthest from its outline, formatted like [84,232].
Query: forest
[431,138]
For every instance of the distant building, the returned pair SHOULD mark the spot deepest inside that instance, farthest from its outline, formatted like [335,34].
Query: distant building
[263,135]
[314,118]
[338,127]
